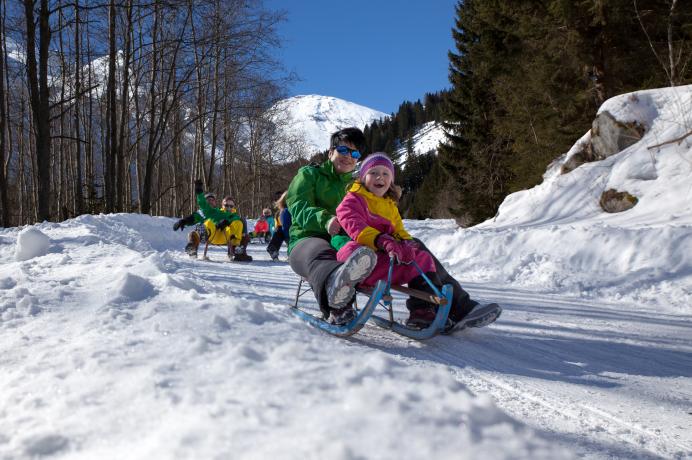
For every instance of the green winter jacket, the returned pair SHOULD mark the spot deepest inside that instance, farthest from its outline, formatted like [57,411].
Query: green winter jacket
[312,198]
[216,215]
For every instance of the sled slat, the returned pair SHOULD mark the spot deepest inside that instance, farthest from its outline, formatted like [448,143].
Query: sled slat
[420,295]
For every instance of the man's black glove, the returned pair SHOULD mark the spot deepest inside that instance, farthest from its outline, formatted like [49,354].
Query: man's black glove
[223,224]
[199,186]
[179,225]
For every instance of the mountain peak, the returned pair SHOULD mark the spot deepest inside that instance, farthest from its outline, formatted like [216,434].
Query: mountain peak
[315,117]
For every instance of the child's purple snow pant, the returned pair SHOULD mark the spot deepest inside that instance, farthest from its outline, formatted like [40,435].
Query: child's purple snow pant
[401,273]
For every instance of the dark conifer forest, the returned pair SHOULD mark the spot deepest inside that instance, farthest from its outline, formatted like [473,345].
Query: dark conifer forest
[527,78]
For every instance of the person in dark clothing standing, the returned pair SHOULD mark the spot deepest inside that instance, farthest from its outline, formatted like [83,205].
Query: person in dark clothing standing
[282,227]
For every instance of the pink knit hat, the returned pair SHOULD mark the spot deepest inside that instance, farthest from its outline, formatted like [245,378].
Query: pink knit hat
[375,159]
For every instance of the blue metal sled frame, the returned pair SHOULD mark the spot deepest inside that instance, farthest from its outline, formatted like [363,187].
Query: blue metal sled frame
[348,329]
[443,299]
[381,295]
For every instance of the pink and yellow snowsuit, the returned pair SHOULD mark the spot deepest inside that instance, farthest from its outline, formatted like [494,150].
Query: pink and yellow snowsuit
[364,215]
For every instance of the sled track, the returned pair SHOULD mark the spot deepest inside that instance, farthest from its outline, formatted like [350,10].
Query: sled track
[484,371]
[521,399]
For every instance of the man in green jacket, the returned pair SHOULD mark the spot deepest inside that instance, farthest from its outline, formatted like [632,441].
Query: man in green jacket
[312,198]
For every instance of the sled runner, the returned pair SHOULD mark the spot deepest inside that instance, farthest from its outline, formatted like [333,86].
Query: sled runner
[443,300]
[347,329]
[208,241]
[380,295]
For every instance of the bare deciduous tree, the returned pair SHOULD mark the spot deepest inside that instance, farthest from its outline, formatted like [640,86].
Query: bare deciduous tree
[122,104]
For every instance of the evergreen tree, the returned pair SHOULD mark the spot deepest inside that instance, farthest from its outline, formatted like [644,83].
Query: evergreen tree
[528,76]
[475,158]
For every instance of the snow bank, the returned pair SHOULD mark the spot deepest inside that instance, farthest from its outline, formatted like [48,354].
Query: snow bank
[556,238]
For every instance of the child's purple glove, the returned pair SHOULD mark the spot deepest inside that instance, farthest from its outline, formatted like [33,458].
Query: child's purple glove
[411,244]
[403,252]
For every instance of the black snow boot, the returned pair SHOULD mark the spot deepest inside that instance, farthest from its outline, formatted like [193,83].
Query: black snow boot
[421,313]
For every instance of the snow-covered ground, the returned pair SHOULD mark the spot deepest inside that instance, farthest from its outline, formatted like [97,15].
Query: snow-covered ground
[115,344]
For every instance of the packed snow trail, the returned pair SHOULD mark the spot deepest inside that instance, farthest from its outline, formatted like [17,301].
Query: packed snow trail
[591,375]
[114,343]
[587,373]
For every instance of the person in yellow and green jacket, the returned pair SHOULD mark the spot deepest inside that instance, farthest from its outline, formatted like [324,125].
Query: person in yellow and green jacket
[219,226]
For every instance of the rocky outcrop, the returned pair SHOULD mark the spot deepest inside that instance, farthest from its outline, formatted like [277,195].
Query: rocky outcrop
[614,201]
[608,137]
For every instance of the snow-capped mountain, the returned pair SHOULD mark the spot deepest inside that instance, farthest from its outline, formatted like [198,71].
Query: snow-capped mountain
[15,51]
[314,118]
[427,137]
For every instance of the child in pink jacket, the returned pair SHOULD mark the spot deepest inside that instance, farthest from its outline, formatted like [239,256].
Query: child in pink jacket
[370,217]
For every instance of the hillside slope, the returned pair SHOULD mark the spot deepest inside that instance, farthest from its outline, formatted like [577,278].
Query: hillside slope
[555,237]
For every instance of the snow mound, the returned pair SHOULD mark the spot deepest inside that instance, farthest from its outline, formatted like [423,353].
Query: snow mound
[31,242]
[131,287]
[556,238]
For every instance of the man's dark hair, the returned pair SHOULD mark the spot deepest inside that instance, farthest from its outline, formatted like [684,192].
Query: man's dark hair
[352,136]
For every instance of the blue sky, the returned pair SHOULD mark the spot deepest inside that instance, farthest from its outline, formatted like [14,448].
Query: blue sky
[377,53]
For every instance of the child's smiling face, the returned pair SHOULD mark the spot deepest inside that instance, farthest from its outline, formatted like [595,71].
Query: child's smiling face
[378,179]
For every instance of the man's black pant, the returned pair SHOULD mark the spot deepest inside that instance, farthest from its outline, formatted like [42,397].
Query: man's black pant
[462,303]
[314,259]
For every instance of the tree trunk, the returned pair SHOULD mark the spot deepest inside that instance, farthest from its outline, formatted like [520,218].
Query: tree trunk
[78,192]
[111,146]
[123,165]
[4,201]
[37,75]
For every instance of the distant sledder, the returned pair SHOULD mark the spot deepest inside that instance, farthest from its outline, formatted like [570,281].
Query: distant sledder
[261,231]
[312,199]
[282,228]
[216,226]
